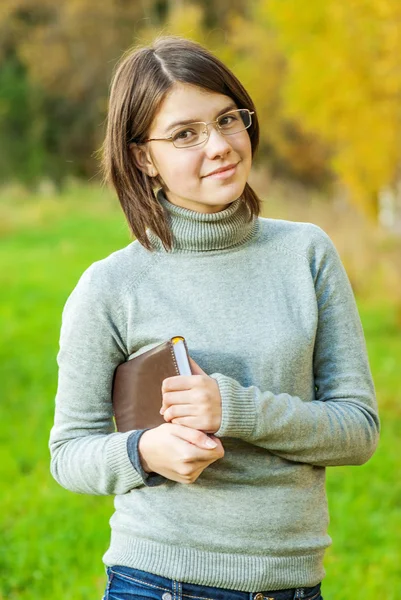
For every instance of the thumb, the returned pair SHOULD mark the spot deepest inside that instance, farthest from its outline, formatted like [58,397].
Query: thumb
[210,442]
[195,368]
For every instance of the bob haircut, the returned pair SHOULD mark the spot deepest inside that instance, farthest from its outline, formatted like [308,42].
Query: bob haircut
[141,80]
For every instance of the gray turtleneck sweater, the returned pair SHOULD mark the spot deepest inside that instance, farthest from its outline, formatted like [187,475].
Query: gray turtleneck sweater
[267,310]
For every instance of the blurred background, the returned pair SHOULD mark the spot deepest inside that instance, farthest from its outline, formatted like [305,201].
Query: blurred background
[326,81]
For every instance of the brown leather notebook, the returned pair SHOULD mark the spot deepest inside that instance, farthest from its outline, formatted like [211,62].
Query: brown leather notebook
[137,383]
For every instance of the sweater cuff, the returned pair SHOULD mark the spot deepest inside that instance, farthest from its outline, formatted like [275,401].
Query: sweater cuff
[238,412]
[149,479]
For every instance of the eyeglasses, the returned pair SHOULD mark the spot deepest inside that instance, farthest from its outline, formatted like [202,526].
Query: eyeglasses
[197,133]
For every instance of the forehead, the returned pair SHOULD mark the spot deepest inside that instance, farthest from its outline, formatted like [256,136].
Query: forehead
[185,101]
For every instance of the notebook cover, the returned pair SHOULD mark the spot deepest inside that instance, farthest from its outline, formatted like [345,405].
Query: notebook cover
[137,395]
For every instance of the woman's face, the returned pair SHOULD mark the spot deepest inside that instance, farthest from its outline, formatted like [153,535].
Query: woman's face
[185,172]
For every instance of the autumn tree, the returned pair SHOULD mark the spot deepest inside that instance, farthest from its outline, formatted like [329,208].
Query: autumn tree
[287,146]
[56,61]
[343,81]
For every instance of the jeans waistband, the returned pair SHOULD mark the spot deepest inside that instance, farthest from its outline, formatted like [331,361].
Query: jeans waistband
[201,592]
[189,591]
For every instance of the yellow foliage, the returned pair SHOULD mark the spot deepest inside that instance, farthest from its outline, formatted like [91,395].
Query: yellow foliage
[187,23]
[251,50]
[344,83]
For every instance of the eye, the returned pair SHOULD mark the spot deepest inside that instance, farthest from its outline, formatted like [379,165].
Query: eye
[228,119]
[184,134]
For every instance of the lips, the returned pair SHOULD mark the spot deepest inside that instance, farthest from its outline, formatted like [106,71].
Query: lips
[222,169]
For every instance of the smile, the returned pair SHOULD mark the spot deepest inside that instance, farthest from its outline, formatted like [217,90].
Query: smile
[224,174]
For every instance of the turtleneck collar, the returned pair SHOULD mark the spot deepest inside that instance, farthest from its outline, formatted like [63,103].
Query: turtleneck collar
[202,232]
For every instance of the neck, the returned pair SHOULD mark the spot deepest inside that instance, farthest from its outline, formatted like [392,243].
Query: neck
[202,232]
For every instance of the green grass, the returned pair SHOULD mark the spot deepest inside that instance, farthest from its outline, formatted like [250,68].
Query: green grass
[52,540]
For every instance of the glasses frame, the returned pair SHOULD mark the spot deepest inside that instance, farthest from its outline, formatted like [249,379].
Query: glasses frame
[215,123]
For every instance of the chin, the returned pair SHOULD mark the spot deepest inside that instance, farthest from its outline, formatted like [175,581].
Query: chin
[227,196]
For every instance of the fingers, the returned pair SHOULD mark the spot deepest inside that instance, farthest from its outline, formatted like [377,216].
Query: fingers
[191,423]
[172,398]
[196,437]
[179,410]
[177,452]
[180,382]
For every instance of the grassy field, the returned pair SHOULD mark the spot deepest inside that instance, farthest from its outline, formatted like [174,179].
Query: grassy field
[52,540]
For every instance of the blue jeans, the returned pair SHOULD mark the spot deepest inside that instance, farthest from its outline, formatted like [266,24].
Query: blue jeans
[124,583]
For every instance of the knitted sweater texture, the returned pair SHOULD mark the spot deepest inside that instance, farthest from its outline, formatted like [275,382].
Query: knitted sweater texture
[267,310]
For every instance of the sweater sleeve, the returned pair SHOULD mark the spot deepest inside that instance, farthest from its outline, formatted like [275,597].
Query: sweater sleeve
[340,426]
[87,455]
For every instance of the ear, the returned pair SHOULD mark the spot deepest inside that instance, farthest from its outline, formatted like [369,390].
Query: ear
[143,160]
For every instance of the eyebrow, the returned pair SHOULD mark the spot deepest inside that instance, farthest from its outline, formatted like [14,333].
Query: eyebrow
[231,106]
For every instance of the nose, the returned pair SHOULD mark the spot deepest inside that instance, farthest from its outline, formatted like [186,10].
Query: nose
[217,144]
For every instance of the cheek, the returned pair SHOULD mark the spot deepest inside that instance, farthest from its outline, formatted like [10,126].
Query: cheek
[247,148]
[244,150]
[177,169]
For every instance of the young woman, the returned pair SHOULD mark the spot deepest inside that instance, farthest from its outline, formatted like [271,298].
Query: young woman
[226,500]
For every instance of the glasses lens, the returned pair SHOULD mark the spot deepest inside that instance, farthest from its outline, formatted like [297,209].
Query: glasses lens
[190,135]
[234,121]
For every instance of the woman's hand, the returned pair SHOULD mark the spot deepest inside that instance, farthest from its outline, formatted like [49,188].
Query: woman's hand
[177,452]
[193,401]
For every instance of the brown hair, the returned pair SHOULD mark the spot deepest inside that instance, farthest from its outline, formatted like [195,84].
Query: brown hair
[141,80]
